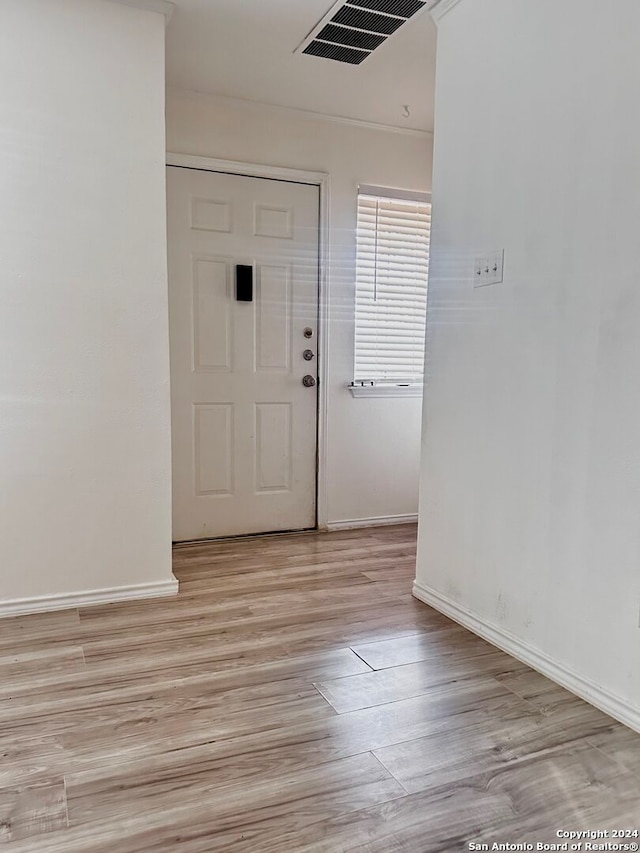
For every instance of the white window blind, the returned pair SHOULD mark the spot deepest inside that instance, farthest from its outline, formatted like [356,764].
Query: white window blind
[391,288]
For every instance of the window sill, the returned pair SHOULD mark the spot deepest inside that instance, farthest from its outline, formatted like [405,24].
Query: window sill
[384,390]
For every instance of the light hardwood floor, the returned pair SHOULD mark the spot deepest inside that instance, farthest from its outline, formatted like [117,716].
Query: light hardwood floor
[293,697]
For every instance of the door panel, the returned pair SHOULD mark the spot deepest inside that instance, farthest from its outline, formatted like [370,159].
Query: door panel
[273,316]
[213,448]
[274,447]
[212,321]
[244,426]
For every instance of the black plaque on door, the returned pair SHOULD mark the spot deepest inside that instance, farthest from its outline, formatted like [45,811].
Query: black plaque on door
[244,283]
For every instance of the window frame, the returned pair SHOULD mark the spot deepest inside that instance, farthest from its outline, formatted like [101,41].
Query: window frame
[384,388]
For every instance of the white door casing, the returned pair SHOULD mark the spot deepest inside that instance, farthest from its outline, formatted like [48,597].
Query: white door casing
[244,426]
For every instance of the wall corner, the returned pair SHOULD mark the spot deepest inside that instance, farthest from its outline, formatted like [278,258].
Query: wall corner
[163,7]
[442,7]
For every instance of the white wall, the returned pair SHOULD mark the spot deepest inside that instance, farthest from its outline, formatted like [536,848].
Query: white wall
[85,498]
[373,444]
[530,496]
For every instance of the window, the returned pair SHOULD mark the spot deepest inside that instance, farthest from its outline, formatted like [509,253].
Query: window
[391,290]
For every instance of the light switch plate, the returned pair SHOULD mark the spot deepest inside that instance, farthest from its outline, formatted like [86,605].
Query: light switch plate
[488,269]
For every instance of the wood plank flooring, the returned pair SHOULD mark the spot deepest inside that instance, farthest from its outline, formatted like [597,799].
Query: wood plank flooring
[292,697]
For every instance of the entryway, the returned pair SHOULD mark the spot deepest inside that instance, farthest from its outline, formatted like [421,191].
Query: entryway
[243,308]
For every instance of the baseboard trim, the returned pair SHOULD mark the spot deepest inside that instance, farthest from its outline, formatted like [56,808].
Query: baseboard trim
[45,603]
[382,521]
[611,704]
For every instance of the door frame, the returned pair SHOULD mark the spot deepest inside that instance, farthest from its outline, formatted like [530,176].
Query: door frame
[322,180]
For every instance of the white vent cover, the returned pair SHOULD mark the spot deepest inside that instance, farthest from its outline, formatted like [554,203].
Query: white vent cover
[351,31]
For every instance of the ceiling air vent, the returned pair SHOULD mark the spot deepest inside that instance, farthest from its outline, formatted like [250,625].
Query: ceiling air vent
[349,32]
[336,51]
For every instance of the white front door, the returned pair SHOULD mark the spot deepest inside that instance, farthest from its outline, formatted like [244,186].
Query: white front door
[243,422]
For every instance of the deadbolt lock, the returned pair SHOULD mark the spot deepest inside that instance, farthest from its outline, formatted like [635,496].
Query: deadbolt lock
[308,381]
[308,332]
[308,355]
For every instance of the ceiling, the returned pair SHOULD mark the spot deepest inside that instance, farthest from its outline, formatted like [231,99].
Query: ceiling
[245,49]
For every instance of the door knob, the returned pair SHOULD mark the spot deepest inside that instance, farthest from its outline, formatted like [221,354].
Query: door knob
[308,355]
[308,381]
